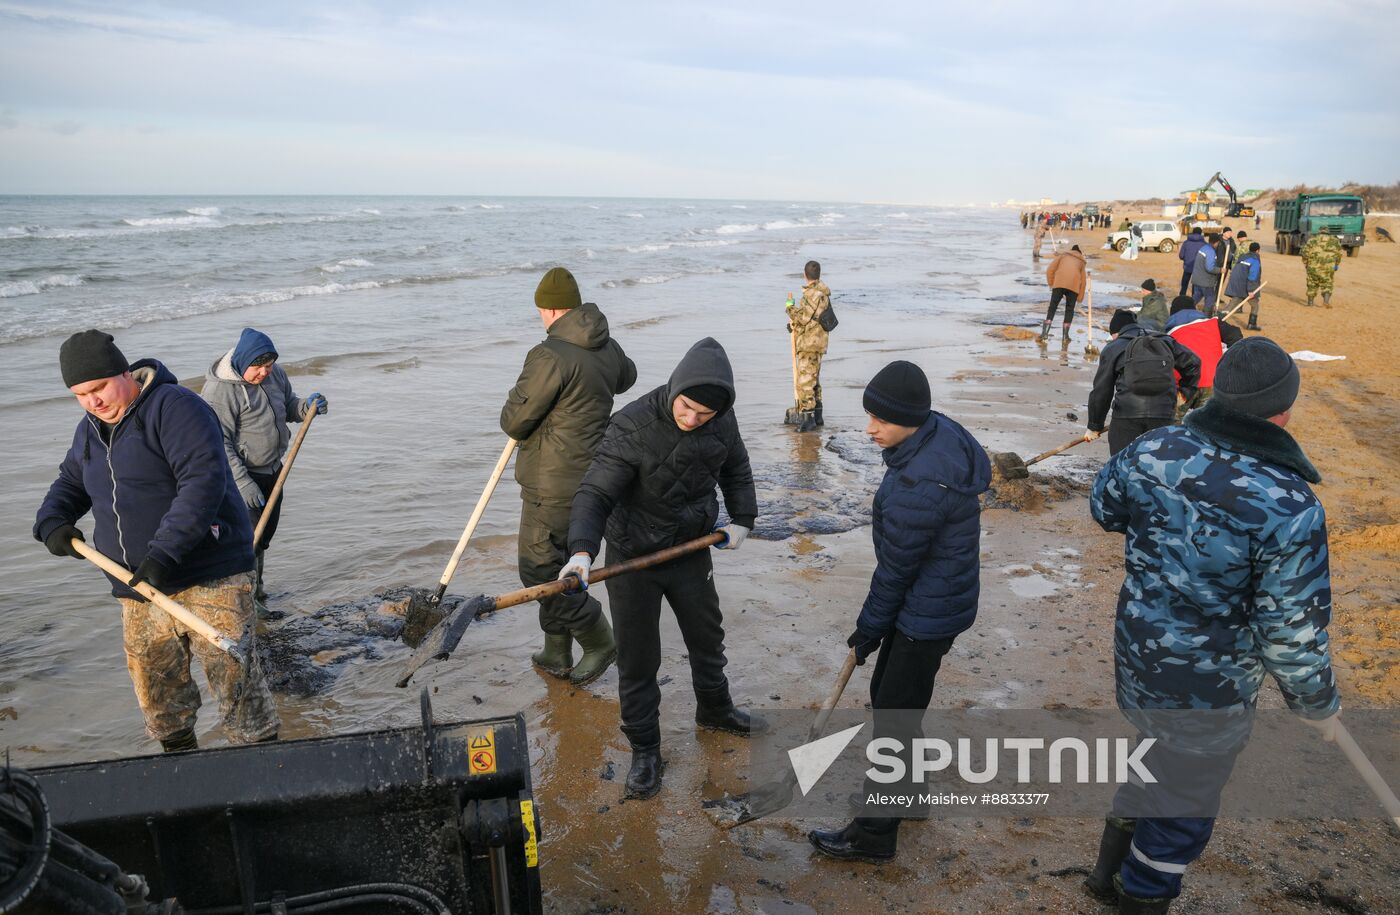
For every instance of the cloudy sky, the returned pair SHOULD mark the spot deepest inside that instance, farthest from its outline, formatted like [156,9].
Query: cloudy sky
[916,102]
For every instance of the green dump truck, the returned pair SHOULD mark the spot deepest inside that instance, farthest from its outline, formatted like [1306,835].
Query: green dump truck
[1342,215]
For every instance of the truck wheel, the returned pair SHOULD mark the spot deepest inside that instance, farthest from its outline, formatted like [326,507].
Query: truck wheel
[1121,245]
[1351,252]
[1281,243]
[1167,246]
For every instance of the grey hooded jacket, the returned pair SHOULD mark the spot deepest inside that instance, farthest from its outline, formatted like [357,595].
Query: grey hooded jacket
[254,419]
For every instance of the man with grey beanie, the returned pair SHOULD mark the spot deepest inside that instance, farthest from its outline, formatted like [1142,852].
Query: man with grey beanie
[1227,580]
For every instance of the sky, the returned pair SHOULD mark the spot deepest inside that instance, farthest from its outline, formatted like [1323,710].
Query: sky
[908,102]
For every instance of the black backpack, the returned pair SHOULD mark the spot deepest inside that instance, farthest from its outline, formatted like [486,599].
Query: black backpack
[1149,366]
[827,319]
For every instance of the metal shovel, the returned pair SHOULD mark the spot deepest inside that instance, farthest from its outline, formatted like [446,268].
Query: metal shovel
[1011,467]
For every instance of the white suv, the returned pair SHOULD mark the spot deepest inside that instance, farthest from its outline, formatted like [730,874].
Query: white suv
[1160,234]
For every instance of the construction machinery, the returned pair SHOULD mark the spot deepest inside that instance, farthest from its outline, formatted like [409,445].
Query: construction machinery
[1198,202]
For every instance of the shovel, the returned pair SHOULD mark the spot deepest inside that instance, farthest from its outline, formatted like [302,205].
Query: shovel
[276,493]
[180,614]
[442,640]
[423,607]
[1241,303]
[1090,349]
[1011,467]
[738,809]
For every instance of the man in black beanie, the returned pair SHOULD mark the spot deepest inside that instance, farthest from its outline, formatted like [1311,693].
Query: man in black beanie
[1226,579]
[164,506]
[652,486]
[926,522]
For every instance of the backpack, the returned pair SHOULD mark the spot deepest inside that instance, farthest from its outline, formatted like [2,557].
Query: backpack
[1149,366]
[827,319]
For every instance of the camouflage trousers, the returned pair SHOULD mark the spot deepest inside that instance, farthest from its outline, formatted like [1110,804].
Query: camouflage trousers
[1320,279]
[158,652]
[1197,400]
[809,385]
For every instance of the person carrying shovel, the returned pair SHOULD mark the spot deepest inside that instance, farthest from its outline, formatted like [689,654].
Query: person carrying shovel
[926,523]
[254,401]
[651,486]
[558,410]
[148,461]
[1227,580]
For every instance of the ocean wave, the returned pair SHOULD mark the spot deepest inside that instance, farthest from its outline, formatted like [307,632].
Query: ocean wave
[734,229]
[339,266]
[738,206]
[642,280]
[780,224]
[204,211]
[368,211]
[452,208]
[833,216]
[490,206]
[186,220]
[34,287]
[666,246]
[897,216]
[634,215]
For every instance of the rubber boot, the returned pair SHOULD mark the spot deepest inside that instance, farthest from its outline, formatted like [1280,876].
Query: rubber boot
[557,656]
[644,775]
[715,711]
[259,595]
[818,413]
[599,652]
[807,421]
[1065,338]
[1310,301]
[855,843]
[1327,300]
[1253,323]
[1113,851]
[1044,332]
[179,742]
[1133,905]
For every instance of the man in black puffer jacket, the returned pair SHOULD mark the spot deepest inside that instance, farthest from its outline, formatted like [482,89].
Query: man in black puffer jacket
[926,523]
[651,486]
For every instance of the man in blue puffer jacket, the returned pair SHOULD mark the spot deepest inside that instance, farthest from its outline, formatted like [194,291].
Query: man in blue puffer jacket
[148,461]
[926,523]
[1187,256]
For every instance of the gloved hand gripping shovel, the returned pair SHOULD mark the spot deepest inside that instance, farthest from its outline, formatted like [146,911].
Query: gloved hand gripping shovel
[738,809]
[443,639]
[1011,467]
[424,607]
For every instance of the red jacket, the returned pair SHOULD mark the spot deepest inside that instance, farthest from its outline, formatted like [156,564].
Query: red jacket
[1202,337]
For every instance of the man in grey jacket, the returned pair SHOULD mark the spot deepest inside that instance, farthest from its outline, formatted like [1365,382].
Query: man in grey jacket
[253,398]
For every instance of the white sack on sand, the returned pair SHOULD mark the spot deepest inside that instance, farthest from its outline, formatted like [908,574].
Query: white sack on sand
[1307,355]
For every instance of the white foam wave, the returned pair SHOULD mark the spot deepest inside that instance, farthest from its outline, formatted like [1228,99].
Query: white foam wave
[204,211]
[491,206]
[738,206]
[779,224]
[34,287]
[734,229]
[833,216]
[898,216]
[635,216]
[188,220]
[269,296]
[339,266]
[367,211]
[453,208]
[666,246]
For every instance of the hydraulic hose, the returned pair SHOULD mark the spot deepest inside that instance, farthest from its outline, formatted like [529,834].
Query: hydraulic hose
[23,805]
[413,898]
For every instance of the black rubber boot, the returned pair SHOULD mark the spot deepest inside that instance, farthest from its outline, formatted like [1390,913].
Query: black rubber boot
[1065,339]
[259,595]
[557,656]
[817,413]
[715,711]
[855,843]
[644,775]
[179,742]
[1133,905]
[599,652]
[1113,850]
[1253,324]
[1044,332]
[806,421]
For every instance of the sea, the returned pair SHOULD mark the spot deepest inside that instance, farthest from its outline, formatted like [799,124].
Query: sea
[412,315]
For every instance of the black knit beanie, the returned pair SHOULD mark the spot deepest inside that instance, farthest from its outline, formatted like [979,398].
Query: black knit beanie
[1149,284]
[1182,302]
[1121,319]
[1258,377]
[714,396]
[88,356]
[558,290]
[899,394]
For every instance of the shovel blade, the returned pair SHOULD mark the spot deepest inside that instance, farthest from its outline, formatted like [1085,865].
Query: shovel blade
[737,809]
[1010,465]
[424,611]
[439,643]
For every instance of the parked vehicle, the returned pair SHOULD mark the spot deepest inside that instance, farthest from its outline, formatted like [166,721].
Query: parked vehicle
[1342,215]
[1160,234]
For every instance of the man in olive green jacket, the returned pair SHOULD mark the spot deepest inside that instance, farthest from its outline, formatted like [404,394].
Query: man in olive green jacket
[558,410]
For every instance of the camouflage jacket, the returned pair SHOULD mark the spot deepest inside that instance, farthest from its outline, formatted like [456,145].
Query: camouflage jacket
[816,298]
[1322,252]
[1226,562]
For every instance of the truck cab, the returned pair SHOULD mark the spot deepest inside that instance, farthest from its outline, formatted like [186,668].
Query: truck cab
[1342,215]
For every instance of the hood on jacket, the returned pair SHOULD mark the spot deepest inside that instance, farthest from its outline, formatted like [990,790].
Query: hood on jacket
[584,326]
[149,374]
[223,370]
[947,453]
[1196,234]
[705,363]
[251,344]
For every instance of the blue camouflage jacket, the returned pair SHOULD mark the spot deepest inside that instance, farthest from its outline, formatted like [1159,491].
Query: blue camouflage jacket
[1226,562]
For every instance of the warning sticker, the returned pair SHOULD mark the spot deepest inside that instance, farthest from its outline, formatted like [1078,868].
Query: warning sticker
[481,752]
[532,848]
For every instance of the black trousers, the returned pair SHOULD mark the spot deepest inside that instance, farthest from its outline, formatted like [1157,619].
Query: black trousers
[1185,281]
[1121,432]
[688,586]
[541,550]
[1069,296]
[265,483]
[902,684]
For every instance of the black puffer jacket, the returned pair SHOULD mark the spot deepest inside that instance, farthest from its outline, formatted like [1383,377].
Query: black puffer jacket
[651,484]
[1110,388]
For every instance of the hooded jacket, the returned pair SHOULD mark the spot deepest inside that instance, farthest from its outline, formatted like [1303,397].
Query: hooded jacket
[1244,277]
[1154,311]
[1066,271]
[651,484]
[161,488]
[1110,389]
[253,418]
[560,404]
[926,524]
[1189,248]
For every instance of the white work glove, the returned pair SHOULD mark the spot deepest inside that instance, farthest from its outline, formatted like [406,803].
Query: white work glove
[1091,435]
[1326,727]
[578,565]
[734,536]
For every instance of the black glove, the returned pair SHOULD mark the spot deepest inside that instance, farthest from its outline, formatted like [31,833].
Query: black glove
[58,541]
[863,645]
[789,328]
[152,571]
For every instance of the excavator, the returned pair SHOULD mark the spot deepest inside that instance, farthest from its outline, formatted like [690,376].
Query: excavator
[1198,202]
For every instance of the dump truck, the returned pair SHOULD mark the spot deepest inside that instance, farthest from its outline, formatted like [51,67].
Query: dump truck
[1297,220]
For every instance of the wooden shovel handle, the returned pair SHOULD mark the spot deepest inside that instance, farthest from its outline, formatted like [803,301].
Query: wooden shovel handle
[181,615]
[1368,773]
[1240,303]
[1054,451]
[476,514]
[276,493]
[834,697]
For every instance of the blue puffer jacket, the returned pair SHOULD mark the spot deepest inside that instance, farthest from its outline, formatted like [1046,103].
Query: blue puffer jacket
[163,489]
[926,524]
[1194,242]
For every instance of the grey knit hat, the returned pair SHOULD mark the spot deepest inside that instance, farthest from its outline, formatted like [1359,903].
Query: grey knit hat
[1258,377]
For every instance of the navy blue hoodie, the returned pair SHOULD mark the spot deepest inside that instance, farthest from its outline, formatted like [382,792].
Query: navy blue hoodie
[162,489]
[926,523]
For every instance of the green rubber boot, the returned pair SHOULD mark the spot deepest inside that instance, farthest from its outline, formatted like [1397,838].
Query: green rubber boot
[557,656]
[599,652]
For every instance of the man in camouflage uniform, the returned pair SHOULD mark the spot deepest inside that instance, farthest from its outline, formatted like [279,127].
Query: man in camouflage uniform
[148,462]
[1322,258]
[1227,580]
[1039,238]
[811,339]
